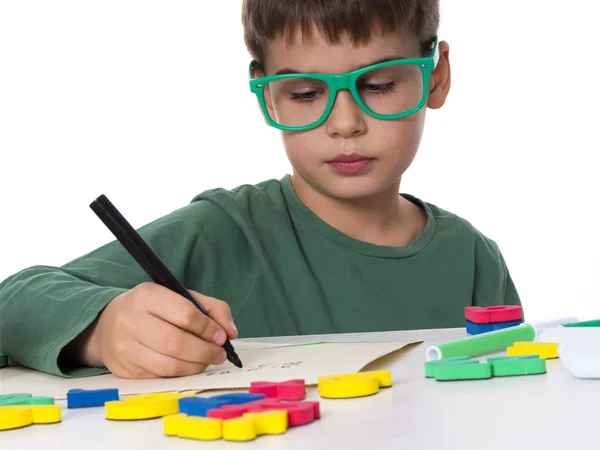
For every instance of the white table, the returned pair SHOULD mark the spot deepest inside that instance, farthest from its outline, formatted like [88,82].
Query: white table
[551,411]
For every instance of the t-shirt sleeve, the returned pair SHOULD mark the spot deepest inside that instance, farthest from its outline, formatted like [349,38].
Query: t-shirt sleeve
[494,285]
[43,308]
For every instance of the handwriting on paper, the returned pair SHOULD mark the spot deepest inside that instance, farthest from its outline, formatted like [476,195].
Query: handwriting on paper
[286,365]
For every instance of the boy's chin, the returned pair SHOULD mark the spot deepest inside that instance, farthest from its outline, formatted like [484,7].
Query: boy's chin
[355,188]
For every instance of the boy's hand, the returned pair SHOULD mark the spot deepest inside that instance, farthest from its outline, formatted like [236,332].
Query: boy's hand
[151,331]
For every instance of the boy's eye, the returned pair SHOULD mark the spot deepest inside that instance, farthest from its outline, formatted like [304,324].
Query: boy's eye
[378,87]
[306,95]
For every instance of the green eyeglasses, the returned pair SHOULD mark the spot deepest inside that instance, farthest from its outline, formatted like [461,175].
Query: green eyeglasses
[388,90]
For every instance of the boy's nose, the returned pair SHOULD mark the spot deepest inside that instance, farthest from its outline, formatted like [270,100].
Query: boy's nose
[346,118]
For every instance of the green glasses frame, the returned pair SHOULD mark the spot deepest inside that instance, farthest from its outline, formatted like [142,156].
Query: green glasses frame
[347,81]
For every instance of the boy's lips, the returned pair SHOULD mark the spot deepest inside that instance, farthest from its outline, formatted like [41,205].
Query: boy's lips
[349,157]
[350,163]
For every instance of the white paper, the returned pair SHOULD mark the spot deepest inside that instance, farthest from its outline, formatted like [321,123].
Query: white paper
[262,362]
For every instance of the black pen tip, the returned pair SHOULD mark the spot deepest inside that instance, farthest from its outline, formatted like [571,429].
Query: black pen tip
[235,360]
[232,355]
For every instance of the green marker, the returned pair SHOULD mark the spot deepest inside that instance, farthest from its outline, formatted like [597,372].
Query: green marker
[587,323]
[492,341]
[3,361]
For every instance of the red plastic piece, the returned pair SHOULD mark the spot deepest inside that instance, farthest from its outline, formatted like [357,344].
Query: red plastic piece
[231,411]
[493,314]
[299,413]
[283,390]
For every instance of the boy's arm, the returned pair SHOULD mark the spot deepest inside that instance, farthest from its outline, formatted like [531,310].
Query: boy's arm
[43,308]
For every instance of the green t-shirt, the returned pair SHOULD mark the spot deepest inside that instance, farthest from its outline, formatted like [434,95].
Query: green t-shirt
[282,270]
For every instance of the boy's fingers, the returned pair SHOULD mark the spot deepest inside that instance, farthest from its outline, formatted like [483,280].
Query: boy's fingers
[169,340]
[173,308]
[130,371]
[163,366]
[219,311]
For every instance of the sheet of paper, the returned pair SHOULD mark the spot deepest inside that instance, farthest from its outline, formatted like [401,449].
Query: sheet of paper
[262,362]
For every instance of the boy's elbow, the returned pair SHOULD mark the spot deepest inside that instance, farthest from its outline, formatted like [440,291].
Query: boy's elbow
[18,280]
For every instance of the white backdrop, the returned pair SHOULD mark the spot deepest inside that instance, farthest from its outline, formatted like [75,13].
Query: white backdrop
[148,102]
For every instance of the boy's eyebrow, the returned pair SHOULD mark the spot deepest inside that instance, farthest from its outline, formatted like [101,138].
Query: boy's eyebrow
[287,70]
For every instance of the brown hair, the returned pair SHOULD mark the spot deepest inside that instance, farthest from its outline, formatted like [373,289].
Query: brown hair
[266,20]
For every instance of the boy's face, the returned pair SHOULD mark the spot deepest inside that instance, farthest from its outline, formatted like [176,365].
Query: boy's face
[386,147]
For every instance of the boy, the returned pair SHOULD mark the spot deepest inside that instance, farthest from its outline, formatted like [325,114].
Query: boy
[333,248]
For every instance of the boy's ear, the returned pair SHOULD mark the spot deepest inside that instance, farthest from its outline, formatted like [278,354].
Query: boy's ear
[257,72]
[439,79]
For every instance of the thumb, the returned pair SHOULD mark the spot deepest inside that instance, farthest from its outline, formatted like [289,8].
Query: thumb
[219,311]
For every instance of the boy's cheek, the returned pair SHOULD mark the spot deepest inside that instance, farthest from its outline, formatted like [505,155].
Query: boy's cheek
[394,138]
[307,146]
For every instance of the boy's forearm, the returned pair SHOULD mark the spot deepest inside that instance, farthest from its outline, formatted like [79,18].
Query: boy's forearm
[45,314]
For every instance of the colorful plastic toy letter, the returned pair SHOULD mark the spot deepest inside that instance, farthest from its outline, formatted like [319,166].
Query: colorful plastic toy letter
[493,314]
[483,320]
[79,398]
[254,424]
[231,411]
[24,399]
[12,417]
[354,384]
[545,350]
[245,428]
[227,412]
[199,406]
[284,390]
[299,413]
[474,328]
[193,427]
[3,361]
[43,414]
[171,424]
[432,366]
[510,366]
[146,406]
[463,370]
[238,398]
[196,406]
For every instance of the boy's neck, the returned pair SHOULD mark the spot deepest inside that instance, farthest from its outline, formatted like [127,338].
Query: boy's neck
[385,219]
